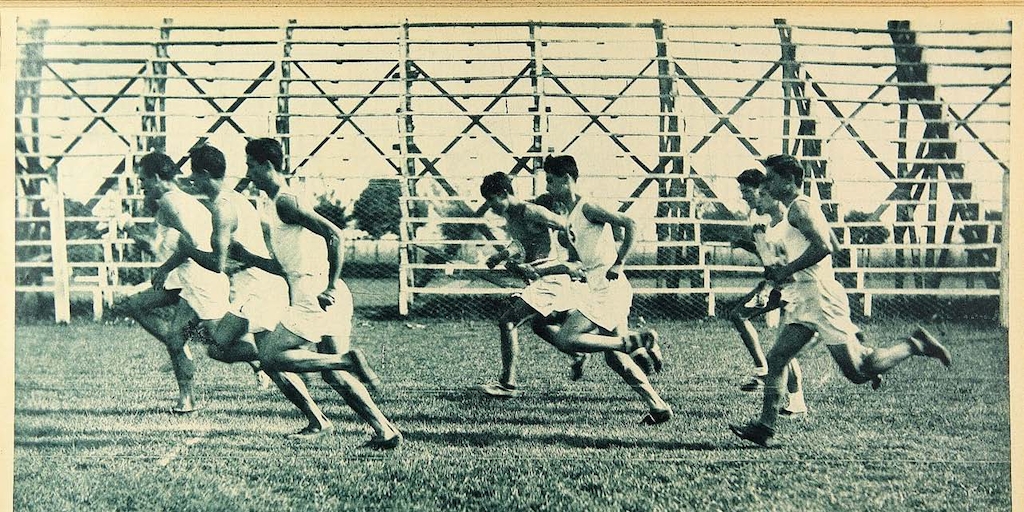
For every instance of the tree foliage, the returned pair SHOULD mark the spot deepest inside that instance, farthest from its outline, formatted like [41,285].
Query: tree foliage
[378,209]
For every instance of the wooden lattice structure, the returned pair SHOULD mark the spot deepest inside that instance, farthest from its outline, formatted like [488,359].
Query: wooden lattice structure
[662,116]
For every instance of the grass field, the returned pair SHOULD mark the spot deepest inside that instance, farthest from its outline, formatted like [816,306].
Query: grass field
[91,432]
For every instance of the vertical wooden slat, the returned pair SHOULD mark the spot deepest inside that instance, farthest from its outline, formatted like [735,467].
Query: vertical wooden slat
[540,107]
[912,75]
[670,190]
[59,250]
[27,89]
[154,121]
[282,123]
[405,127]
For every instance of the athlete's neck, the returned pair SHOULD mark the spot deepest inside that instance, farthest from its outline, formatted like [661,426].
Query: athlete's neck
[775,212]
[790,196]
[573,200]
[272,189]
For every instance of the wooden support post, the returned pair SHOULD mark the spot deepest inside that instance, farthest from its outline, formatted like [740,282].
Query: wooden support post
[59,251]
[540,107]
[669,162]
[154,122]
[27,89]
[807,141]
[406,277]
[912,76]
[282,125]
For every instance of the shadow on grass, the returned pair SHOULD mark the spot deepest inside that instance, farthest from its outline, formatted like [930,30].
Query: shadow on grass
[489,439]
[77,443]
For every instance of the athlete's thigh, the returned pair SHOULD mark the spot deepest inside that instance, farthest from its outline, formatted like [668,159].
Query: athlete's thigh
[149,299]
[518,313]
[230,328]
[792,339]
[183,315]
[578,323]
[281,339]
[850,358]
[329,345]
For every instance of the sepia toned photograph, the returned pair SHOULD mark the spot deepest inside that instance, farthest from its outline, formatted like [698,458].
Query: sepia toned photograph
[657,258]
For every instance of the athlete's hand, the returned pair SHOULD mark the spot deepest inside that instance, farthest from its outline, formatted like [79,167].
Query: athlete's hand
[524,271]
[614,272]
[576,272]
[326,298]
[775,273]
[495,259]
[159,277]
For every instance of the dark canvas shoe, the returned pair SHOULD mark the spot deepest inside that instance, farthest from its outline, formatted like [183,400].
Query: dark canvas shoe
[643,359]
[380,443]
[754,432]
[497,389]
[755,383]
[311,433]
[647,339]
[656,416]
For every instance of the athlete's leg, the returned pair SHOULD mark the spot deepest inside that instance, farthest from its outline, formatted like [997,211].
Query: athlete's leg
[577,334]
[547,328]
[285,351]
[623,365]
[508,330]
[740,317]
[791,340]
[230,341]
[793,380]
[862,364]
[142,308]
[181,356]
[294,389]
[358,397]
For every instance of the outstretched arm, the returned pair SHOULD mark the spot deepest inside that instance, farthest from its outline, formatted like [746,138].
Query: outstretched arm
[600,215]
[540,215]
[292,211]
[240,254]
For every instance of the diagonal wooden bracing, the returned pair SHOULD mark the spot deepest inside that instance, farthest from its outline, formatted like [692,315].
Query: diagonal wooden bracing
[346,118]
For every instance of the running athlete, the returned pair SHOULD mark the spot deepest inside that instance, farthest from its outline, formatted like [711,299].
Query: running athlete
[314,333]
[199,295]
[817,304]
[529,225]
[766,244]
[599,322]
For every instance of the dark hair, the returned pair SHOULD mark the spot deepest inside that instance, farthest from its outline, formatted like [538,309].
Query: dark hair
[159,165]
[564,165]
[208,159]
[495,184]
[751,178]
[786,166]
[266,150]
